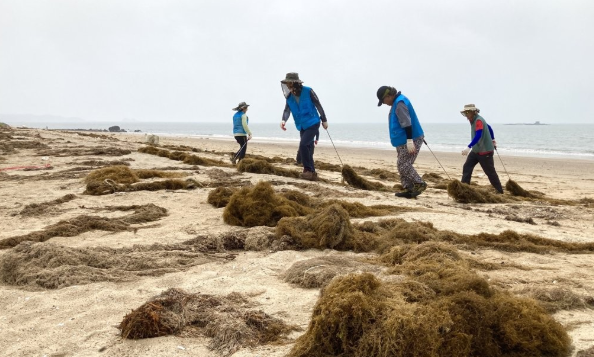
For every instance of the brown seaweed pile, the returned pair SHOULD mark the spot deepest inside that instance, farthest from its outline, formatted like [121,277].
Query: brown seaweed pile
[317,272]
[260,206]
[328,228]
[85,223]
[36,209]
[263,167]
[516,190]
[123,179]
[227,320]
[51,266]
[186,158]
[465,193]
[359,315]
[220,196]
[353,179]
[98,151]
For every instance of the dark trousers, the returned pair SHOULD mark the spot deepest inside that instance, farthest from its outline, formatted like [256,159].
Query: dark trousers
[488,166]
[305,146]
[298,158]
[242,141]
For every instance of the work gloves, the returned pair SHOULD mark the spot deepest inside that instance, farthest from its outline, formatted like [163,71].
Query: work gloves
[410,146]
[325,124]
[465,151]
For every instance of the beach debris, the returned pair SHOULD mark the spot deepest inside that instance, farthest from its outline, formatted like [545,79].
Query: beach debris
[99,162]
[556,298]
[516,218]
[85,151]
[256,166]
[85,223]
[220,196]
[328,228]
[228,320]
[186,158]
[37,209]
[123,179]
[382,235]
[353,179]
[361,315]
[586,353]
[318,272]
[516,190]
[52,266]
[464,193]
[260,206]
[151,139]
[382,174]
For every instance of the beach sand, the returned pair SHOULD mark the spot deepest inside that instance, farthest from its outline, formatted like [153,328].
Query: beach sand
[83,319]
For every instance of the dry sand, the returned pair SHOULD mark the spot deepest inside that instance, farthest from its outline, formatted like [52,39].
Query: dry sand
[82,320]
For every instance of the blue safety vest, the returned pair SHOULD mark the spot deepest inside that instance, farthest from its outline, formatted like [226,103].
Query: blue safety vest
[237,125]
[304,113]
[397,133]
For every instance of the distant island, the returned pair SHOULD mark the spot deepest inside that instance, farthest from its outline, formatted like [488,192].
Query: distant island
[535,123]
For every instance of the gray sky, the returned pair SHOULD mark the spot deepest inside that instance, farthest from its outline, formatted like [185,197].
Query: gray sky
[193,60]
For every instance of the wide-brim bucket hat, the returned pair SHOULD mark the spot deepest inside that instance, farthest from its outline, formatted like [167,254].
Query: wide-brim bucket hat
[469,108]
[241,106]
[292,77]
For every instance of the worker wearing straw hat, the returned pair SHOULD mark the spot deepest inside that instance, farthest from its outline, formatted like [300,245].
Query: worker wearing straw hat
[480,150]
[406,135]
[307,112]
[241,131]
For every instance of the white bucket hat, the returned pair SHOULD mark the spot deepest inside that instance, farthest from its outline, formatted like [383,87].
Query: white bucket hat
[469,108]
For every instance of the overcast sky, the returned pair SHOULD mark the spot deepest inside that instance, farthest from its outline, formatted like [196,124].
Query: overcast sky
[193,60]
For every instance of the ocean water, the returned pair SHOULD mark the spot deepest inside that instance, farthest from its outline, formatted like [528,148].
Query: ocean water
[555,140]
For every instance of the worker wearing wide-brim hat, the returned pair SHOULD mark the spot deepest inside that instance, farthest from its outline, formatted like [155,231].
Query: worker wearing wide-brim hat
[241,131]
[406,135]
[303,103]
[480,150]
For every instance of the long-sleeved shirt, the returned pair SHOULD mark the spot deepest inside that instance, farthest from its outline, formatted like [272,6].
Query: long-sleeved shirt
[404,119]
[316,102]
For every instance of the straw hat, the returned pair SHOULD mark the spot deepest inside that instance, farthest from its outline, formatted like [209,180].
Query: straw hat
[292,77]
[470,108]
[241,106]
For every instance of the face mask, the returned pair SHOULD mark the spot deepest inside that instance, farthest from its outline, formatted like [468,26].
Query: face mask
[286,90]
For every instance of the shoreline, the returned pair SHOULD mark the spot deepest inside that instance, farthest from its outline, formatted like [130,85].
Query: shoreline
[382,144]
[339,144]
[571,178]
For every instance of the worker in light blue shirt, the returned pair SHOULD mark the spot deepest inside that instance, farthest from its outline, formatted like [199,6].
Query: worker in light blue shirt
[241,131]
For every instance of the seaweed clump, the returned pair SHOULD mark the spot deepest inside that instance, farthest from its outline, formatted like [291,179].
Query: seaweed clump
[260,206]
[517,190]
[225,319]
[359,315]
[263,167]
[353,179]
[123,179]
[86,223]
[327,228]
[464,193]
[220,196]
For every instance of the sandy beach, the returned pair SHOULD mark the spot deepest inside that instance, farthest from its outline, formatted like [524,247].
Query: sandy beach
[82,318]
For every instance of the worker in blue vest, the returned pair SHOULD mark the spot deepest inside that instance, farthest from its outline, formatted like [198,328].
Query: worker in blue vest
[241,131]
[307,112]
[481,148]
[407,136]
